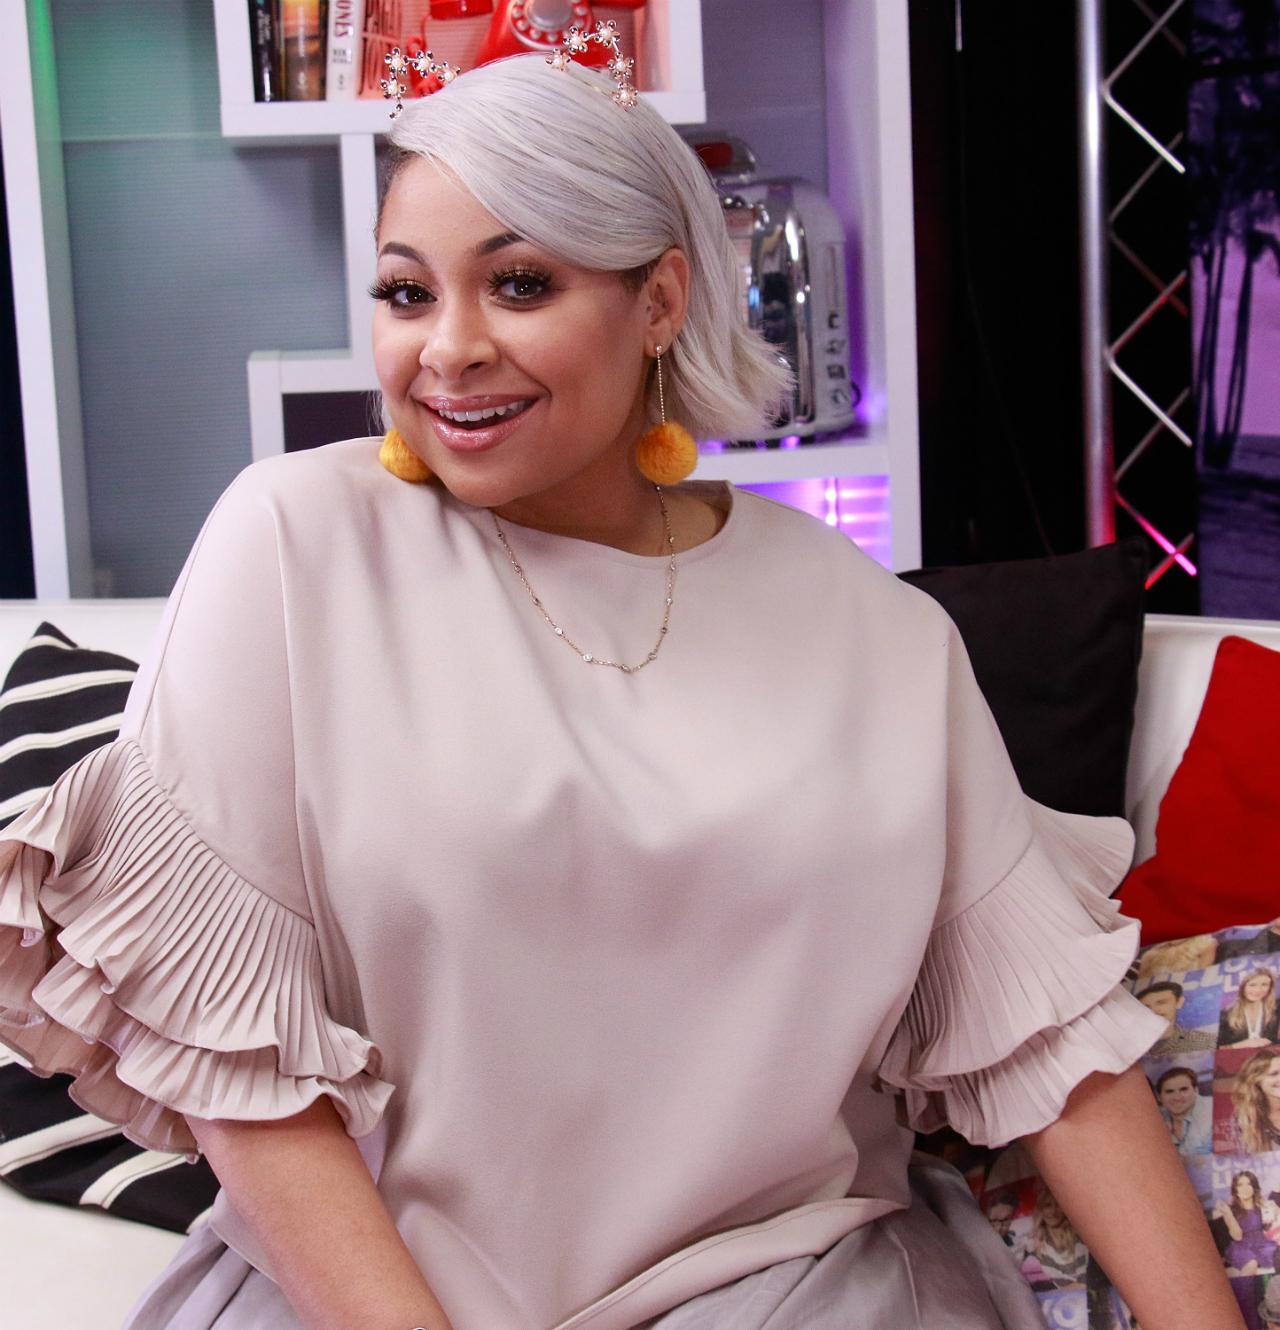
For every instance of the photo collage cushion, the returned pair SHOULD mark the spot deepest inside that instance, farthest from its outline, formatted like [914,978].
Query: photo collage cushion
[1215,1077]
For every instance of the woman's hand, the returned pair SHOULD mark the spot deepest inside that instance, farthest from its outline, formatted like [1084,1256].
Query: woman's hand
[1109,1161]
[303,1188]
[1224,1212]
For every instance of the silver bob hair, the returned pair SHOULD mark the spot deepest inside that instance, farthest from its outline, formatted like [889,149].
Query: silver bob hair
[608,189]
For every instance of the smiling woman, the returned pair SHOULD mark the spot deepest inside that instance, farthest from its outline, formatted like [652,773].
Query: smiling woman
[630,981]
[464,328]
[514,274]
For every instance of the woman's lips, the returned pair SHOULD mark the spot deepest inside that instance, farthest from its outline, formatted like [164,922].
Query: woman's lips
[460,439]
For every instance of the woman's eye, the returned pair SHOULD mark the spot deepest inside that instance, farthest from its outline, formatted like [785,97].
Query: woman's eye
[400,294]
[521,287]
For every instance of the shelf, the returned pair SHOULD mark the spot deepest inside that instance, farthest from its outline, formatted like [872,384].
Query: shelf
[760,466]
[676,54]
[869,181]
[311,122]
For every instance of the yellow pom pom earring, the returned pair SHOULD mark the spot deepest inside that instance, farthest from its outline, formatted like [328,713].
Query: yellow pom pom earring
[667,453]
[401,460]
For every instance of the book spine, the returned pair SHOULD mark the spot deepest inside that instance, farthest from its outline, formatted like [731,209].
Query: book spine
[346,22]
[302,33]
[264,37]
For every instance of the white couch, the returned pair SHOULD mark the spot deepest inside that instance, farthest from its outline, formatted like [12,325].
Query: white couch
[73,1270]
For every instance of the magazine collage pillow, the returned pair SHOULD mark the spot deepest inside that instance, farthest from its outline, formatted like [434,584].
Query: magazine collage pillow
[1215,1076]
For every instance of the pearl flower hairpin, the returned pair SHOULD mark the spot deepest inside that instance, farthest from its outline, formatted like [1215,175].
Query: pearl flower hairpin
[398,64]
[577,41]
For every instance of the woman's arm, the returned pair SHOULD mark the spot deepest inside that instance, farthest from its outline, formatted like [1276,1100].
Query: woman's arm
[1109,1161]
[1228,1216]
[304,1189]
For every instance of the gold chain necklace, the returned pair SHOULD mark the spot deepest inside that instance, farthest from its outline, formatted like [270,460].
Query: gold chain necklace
[589,656]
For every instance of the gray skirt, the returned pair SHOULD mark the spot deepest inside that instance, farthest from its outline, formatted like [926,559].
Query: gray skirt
[937,1264]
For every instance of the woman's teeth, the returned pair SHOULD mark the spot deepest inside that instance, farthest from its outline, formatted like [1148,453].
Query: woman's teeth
[490,413]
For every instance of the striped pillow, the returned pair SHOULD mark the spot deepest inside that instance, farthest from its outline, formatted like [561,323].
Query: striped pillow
[59,702]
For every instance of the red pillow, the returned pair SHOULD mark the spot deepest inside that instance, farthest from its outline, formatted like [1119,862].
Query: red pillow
[1217,859]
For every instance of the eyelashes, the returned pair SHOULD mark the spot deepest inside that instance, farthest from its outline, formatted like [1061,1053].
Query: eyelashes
[404,292]
[391,289]
[527,276]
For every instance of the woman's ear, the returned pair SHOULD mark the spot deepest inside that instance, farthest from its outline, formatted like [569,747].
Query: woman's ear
[667,294]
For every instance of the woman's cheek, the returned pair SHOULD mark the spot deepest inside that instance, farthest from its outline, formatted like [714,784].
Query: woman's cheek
[394,361]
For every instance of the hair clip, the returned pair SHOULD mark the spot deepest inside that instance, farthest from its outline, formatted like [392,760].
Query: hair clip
[398,64]
[606,34]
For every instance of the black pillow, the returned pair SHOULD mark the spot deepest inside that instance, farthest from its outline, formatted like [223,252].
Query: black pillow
[58,703]
[1055,645]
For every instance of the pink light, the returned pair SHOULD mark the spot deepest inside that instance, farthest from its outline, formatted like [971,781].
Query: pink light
[1163,541]
[866,493]
[864,517]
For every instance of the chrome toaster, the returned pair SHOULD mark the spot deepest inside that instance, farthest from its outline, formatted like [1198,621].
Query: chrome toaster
[791,245]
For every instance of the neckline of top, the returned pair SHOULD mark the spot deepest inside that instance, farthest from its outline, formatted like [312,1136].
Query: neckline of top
[720,493]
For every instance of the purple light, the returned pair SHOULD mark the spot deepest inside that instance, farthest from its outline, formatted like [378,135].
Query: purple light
[857,505]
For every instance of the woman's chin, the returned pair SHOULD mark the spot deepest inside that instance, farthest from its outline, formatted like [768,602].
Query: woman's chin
[474,490]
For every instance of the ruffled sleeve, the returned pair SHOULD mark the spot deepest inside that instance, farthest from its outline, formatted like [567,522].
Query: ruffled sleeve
[1019,995]
[156,936]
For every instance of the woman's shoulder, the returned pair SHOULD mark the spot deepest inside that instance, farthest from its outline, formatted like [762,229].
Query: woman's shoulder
[296,480]
[812,544]
[820,556]
[321,493]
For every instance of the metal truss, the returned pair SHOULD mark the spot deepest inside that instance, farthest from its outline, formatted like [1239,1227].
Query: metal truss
[1137,345]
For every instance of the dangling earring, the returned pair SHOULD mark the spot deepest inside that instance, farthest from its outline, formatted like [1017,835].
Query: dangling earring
[401,460]
[666,453]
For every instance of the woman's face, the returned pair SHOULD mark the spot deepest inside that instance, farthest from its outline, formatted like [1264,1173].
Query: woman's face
[474,318]
[1051,1211]
[1178,1095]
[1256,988]
[1243,1189]
[1269,1081]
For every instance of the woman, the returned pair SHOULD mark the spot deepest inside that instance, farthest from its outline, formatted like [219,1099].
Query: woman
[624,980]
[1246,1216]
[1054,1256]
[1253,1019]
[1178,956]
[1255,1096]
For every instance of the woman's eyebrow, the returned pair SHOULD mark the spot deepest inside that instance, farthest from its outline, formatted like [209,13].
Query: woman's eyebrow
[403,251]
[490,246]
[495,243]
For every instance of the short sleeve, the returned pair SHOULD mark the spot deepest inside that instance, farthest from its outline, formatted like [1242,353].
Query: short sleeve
[1019,994]
[156,938]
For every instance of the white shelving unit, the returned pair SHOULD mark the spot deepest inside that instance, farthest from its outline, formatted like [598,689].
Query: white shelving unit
[44,313]
[673,49]
[869,181]
[869,136]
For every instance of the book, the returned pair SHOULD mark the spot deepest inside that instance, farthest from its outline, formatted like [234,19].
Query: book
[302,40]
[346,25]
[264,38]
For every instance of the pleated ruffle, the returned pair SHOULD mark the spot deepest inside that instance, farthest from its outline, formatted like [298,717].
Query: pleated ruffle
[135,960]
[1018,998]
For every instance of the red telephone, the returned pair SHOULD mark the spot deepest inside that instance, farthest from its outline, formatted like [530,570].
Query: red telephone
[520,26]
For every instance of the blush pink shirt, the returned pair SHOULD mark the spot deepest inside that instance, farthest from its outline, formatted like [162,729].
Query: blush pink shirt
[628,983]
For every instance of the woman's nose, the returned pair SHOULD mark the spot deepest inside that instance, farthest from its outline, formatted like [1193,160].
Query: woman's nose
[457,340]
